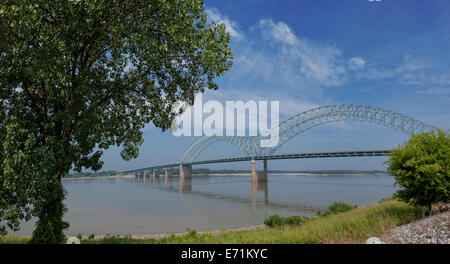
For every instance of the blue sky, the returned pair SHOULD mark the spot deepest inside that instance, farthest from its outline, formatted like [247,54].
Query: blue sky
[391,54]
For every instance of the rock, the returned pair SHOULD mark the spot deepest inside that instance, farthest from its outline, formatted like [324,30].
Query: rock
[430,230]
[374,240]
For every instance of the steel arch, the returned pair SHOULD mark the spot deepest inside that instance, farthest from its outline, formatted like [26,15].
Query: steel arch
[309,119]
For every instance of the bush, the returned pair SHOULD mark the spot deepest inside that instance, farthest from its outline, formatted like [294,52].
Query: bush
[337,207]
[422,168]
[276,220]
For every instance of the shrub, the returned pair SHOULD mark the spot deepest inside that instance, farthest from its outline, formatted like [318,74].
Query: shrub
[191,233]
[337,207]
[91,237]
[422,168]
[276,220]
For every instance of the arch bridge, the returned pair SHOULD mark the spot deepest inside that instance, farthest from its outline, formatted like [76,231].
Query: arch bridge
[290,128]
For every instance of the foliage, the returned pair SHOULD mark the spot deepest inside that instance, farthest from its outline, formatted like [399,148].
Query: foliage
[91,237]
[337,207]
[191,233]
[79,76]
[422,168]
[276,220]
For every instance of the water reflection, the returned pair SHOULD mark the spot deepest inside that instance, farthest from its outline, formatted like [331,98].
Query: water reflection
[260,186]
[232,189]
[185,185]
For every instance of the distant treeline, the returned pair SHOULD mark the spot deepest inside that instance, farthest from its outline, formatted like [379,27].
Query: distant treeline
[208,171]
[343,172]
[91,174]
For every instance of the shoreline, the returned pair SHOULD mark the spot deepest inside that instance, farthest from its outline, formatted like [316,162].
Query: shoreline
[165,235]
[169,234]
[127,176]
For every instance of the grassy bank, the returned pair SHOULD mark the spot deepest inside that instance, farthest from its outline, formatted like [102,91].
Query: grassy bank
[354,226]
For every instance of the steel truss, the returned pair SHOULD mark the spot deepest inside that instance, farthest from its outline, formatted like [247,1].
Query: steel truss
[307,120]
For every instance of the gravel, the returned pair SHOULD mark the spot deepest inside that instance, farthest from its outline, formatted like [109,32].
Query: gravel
[430,230]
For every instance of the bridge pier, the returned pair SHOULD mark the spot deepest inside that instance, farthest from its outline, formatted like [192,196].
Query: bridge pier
[156,174]
[259,176]
[168,173]
[185,171]
[147,174]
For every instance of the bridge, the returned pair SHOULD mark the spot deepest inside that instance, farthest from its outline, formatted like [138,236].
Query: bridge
[287,130]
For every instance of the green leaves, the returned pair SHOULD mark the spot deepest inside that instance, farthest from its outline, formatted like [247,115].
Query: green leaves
[422,168]
[79,76]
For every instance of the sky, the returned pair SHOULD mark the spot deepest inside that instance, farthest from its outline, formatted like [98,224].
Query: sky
[393,54]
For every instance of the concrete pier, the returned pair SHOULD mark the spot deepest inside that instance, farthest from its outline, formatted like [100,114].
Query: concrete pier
[259,176]
[185,171]
[168,173]
[156,174]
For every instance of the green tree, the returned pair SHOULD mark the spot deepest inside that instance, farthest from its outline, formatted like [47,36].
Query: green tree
[78,76]
[422,168]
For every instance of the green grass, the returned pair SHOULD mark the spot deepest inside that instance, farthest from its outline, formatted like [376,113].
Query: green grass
[353,226]
[13,240]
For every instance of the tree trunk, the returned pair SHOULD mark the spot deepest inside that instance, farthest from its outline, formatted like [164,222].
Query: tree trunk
[50,226]
[429,210]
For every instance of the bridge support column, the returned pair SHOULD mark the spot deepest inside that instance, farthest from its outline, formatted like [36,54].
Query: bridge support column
[156,174]
[185,171]
[168,173]
[259,176]
[254,172]
[259,181]
[147,174]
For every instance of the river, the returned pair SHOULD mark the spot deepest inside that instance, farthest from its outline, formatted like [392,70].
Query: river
[120,206]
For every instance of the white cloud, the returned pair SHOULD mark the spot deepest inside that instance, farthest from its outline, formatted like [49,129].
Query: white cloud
[298,61]
[279,31]
[425,78]
[356,63]
[289,105]
[409,71]
[435,91]
[232,27]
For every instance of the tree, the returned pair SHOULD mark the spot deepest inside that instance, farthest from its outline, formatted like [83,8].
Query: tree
[78,76]
[422,168]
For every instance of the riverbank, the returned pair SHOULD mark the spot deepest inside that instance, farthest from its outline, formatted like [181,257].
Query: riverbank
[354,226]
[429,230]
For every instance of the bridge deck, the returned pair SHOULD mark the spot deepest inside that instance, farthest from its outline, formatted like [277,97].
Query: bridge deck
[310,155]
